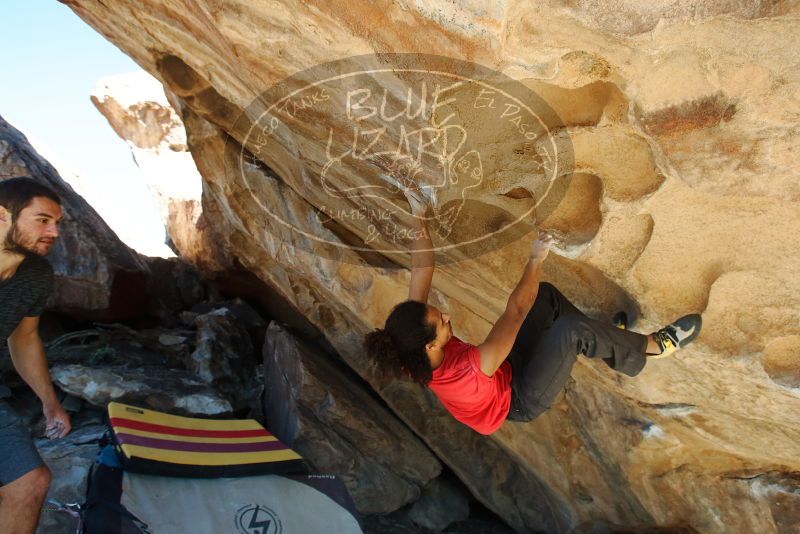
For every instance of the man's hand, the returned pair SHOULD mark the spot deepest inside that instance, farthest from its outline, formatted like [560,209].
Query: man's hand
[58,423]
[27,355]
[541,246]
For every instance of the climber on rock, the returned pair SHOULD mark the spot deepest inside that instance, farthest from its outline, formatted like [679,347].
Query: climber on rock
[29,218]
[524,362]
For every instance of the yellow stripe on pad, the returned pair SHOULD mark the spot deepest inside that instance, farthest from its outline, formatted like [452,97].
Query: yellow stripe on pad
[116,409]
[202,458]
[192,439]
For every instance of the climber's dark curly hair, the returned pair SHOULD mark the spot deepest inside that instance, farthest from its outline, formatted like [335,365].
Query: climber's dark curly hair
[399,349]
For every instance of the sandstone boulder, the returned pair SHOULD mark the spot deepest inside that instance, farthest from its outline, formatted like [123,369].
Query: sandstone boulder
[172,285]
[224,356]
[682,123]
[70,460]
[441,503]
[167,390]
[315,406]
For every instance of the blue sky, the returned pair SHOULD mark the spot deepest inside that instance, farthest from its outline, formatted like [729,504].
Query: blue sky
[49,62]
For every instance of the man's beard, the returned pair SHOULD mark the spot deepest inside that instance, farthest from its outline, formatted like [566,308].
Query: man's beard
[14,243]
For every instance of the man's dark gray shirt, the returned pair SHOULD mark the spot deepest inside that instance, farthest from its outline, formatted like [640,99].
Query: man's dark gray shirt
[22,295]
[25,293]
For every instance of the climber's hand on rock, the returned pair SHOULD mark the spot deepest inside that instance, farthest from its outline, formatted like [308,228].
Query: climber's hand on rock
[416,200]
[541,246]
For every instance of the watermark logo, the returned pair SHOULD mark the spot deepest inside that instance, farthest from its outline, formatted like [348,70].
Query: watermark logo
[486,155]
[257,519]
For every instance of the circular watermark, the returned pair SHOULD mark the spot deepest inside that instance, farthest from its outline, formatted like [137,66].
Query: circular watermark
[335,156]
[257,519]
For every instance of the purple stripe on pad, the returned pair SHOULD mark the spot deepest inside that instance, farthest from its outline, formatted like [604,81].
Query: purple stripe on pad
[187,446]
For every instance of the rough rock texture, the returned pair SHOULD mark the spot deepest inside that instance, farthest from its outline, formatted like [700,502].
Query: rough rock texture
[176,391]
[88,258]
[70,460]
[683,122]
[173,285]
[441,504]
[316,408]
[223,354]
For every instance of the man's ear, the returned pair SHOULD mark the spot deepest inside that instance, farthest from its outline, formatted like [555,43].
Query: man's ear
[5,216]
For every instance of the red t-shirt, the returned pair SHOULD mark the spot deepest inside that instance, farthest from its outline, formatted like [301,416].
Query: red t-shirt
[481,402]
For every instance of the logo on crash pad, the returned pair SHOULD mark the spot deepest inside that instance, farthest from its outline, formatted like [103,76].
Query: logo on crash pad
[329,153]
[257,519]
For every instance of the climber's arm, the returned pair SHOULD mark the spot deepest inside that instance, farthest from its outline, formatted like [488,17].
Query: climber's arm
[422,257]
[497,346]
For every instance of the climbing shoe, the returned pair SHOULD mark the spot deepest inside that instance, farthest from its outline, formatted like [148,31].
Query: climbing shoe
[676,335]
[620,320]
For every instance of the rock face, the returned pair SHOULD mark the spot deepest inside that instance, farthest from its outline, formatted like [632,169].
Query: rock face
[93,267]
[440,505]
[318,410]
[177,392]
[681,124]
[70,460]
[223,355]
[173,285]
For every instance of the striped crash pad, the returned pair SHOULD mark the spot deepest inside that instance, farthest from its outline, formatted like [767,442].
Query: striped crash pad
[170,445]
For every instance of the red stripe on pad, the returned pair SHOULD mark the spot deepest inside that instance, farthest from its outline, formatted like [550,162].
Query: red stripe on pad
[121,422]
[187,446]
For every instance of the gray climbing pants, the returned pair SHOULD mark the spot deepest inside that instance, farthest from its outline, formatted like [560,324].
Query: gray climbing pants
[548,343]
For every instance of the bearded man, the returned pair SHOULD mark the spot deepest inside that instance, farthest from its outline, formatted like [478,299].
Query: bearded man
[29,216]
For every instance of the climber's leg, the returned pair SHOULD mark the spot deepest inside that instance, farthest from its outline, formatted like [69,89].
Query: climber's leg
[540,374]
